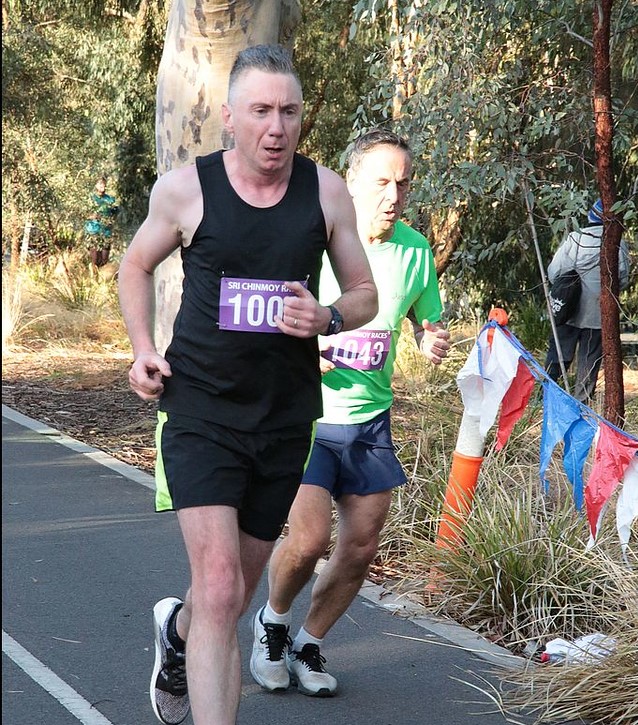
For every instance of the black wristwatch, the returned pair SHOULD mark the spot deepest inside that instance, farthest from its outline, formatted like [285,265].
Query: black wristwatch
[336,323]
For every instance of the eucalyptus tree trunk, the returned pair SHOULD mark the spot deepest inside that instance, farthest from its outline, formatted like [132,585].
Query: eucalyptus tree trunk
[614,405]
[203,38]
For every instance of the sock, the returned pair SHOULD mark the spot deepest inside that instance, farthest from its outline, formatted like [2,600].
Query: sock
[303,638]
[271,616]
[171,631]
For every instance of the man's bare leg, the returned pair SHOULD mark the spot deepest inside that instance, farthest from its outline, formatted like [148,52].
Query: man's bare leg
[361,519]
[293,561]
[291,566]
[217,598]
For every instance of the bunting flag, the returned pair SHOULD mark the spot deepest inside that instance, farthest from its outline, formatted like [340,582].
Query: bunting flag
[614,452]
[500,374]
[514,403]
[486,376]
[627,505]
[563,421]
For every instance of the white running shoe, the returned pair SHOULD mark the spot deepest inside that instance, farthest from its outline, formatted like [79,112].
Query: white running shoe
[169,694]
[308,673]
[267,662]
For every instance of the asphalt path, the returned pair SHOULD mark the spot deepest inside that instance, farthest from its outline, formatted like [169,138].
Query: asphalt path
[84,559]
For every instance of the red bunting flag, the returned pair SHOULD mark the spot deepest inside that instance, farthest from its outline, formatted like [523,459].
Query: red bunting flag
[614,452]
[499,374]
[514,403]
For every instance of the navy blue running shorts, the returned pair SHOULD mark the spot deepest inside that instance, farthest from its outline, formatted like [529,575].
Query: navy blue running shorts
[354,459]
[200,463]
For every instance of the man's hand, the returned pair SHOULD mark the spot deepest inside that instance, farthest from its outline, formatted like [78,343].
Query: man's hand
[435,343]
[146,374]
[325,365]
[303,316]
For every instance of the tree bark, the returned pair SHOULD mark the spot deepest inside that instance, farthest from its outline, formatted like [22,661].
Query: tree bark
[446,235]
[614,405]
[202,41]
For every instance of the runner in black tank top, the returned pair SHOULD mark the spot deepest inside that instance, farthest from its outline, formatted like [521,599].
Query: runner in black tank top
[213,369]
[239,387]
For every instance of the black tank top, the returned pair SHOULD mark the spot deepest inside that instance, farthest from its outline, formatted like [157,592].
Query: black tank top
[250,381]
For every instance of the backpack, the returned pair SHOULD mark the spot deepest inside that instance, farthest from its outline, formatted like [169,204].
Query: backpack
[564,296]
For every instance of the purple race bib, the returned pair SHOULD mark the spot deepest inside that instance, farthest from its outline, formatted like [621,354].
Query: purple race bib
[359,349]
[251,305]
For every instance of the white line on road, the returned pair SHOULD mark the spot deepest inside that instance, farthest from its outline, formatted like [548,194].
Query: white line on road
[49,681]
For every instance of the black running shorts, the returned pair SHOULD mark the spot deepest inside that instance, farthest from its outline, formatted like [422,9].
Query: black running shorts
[200,463]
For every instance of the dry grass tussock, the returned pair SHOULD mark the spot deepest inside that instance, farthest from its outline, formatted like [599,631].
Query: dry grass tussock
[64,303]
[522,575]
[601,693]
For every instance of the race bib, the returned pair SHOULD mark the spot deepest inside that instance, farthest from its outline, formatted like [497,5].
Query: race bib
[359,349]
[251,305]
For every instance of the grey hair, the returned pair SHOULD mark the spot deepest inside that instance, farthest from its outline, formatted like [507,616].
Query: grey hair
[370,140]
[268,58]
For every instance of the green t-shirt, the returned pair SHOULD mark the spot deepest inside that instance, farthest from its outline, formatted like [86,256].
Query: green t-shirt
[403,269]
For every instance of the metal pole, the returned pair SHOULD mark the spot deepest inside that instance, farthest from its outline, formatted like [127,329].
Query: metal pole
[541,266]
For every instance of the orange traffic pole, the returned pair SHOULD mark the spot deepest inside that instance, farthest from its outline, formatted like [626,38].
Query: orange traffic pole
[467,459]
[458,498]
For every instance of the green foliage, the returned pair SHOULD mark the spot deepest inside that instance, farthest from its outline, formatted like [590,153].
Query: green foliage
[496,100]
[332,70]
[35,10]
[629,297]
[531,321]
[78,103]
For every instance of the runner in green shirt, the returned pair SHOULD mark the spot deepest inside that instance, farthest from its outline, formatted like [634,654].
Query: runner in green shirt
[353,462]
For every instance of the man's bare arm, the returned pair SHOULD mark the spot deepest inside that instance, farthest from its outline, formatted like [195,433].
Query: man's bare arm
[358,303]
[159,235]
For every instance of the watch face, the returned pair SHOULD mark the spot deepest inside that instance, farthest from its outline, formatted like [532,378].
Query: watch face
[336,323]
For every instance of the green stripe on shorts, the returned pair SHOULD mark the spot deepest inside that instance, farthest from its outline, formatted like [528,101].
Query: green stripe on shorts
[312,440]
[163,500]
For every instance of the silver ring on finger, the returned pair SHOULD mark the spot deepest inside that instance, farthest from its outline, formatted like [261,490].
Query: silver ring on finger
[295,322]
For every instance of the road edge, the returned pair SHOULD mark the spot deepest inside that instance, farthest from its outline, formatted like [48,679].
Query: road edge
[453,632]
